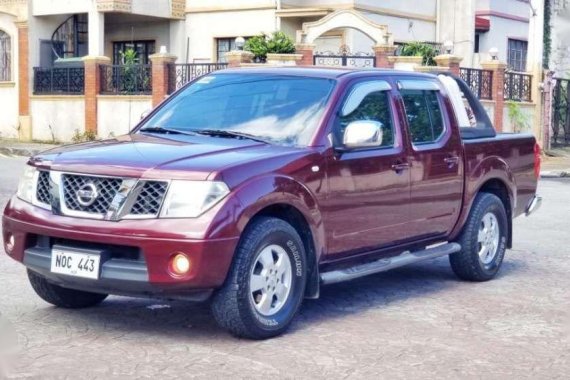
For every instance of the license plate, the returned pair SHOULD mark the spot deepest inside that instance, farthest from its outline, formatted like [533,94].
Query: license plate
[75,263]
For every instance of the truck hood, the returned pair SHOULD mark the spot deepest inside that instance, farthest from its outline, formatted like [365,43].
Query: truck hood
[159,157]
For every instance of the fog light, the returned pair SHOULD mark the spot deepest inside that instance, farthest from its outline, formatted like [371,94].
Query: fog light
[180,264]
[10,242]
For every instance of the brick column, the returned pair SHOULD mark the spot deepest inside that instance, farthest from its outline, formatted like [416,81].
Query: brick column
[307,51]
[25,131]
[92,89]
[160,76]
[498,69]
[450,62]
[236,58]
[382,52]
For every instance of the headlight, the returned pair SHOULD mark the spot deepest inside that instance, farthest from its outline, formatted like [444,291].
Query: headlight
[190,199]
[26,187]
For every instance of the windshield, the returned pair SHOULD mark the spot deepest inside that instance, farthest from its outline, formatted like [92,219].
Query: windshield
[279,109]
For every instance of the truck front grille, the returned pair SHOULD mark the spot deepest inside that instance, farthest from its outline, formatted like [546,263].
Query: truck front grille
[107,188]
[105,191]
[150,198]
[43,189]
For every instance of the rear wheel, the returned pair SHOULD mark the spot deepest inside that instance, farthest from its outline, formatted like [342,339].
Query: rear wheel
[266,283]
[483,240]
[63,297]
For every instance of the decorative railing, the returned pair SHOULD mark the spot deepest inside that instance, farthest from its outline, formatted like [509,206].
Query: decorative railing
[344,57]
[517,87]
[61,80]
[479,81]
[181,73]
[126,79]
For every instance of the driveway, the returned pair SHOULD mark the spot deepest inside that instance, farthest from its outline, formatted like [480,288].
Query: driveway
[414,322]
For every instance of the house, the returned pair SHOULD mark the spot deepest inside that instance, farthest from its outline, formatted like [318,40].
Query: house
[44,45]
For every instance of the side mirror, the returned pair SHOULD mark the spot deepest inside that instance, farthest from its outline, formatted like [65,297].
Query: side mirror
[146,113]
[362,134]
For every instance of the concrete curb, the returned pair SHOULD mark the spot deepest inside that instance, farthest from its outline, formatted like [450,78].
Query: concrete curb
[22,152]
[555,174]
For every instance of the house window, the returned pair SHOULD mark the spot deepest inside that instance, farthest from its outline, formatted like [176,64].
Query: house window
[516,58]
[5,57]
[143,49]
[223,45]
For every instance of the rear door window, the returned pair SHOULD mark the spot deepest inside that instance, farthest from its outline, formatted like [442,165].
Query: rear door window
[424,115]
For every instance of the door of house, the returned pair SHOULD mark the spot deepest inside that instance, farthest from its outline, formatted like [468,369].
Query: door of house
[561,113]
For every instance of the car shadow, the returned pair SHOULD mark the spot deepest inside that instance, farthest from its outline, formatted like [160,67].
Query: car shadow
[172,319]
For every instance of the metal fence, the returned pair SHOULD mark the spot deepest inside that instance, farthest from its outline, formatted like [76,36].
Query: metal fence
[344,57]
[561,113]
[181,73]
[126,79]
[61,80]
[479,81]
[517,87]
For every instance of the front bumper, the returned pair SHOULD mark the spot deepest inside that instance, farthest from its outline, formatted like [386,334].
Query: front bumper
[137,252]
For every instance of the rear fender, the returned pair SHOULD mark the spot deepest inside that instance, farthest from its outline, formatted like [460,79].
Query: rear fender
[490,168]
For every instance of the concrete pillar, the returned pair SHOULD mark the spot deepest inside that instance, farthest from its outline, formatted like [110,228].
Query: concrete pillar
[160,76]
[498,68]
[307,51]
[547,96]
[382,52]
[178,40]
[92,89]
[450,61]
[25,131]
[236,58]
[96,21]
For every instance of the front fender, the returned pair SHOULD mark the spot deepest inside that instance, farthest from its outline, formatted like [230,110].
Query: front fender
[262,192]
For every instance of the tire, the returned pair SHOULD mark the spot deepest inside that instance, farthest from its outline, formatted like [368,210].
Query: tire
[251,304]
[63,297]
[483,240]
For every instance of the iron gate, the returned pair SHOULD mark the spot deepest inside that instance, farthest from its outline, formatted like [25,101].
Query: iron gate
[344,58]
[561,113]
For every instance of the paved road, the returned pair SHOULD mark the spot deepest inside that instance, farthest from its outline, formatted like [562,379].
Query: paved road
[415,322]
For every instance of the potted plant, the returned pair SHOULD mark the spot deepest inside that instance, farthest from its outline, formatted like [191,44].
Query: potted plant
[277,48]
[413,54]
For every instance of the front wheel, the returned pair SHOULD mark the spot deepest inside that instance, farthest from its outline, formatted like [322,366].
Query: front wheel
[266,283]
[483,240]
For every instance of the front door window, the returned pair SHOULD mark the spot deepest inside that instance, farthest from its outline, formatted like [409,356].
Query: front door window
[143,50]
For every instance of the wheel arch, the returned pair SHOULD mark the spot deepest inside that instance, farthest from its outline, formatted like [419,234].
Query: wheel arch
[500,189]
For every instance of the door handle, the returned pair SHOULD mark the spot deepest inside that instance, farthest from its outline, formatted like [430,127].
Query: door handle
[398,168]
[451,161]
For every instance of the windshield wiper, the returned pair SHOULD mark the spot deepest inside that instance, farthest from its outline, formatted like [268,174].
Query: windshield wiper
[167,131]
[225,133]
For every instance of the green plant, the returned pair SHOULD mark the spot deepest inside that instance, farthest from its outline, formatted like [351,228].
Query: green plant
[129,57]
[415,49]
[519,121]
[262,44]
[280,43]
[257,45]
[79,137]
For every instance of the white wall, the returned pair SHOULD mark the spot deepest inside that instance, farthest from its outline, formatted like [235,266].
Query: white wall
[203,28]
[57,117]
[9,90]
[55,7]
[560,55]
[117,115]
[502,28]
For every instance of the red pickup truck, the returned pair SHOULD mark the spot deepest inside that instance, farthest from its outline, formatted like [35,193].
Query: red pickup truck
[254,187]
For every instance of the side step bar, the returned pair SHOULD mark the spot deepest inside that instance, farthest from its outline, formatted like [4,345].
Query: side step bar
[383,265]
